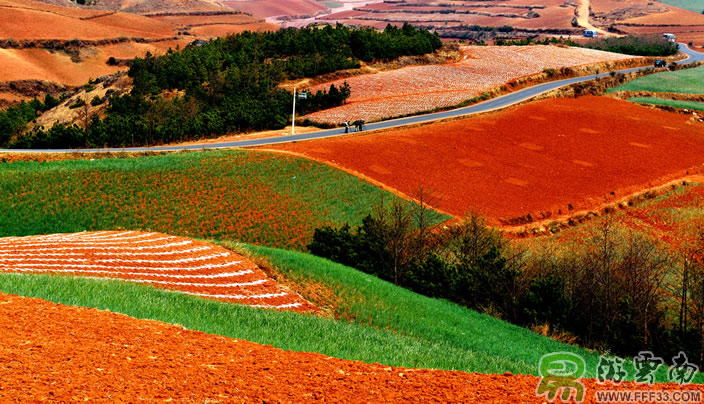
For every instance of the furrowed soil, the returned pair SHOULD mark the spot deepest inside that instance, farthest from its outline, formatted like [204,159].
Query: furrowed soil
[175,263]
[528,162]
[64,353]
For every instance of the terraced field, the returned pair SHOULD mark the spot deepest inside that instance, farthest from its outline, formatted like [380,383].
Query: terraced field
[175,263]
[678,89]
[454,15]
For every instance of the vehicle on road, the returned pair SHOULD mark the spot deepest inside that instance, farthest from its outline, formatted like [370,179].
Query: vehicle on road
[669,37]
[590,33]
[660,63]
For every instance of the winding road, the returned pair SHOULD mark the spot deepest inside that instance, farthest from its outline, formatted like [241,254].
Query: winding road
[490,105]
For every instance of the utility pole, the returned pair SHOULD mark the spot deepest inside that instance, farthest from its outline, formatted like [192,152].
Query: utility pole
[293,120]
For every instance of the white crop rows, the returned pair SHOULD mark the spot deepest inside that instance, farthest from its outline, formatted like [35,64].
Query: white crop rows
[182,265]
[421,88]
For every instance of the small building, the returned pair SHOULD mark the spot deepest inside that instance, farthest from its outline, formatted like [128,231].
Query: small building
[197,43]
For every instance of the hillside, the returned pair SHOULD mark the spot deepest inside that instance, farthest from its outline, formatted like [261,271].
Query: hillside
[277,8]
[144,6]
[70,45]
[279,206]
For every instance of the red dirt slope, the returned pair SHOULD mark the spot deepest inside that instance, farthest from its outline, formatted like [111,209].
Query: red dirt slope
[62,353]
[546,156]
[176,263]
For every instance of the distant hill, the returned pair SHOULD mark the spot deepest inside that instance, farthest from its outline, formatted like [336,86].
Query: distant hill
[59,42]
[145,6]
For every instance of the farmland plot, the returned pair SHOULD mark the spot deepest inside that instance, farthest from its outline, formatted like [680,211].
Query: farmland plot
[542,159]
[184,265]
[421,88]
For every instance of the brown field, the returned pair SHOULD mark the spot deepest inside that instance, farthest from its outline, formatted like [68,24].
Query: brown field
[205,19]
[545,158]
[421,88]
[19,23]
[220,30]
[138,6]
[271,8]
[442,15]
[39,64]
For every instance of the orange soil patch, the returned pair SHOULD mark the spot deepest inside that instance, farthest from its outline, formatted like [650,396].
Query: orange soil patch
[12,98]
[55,352]
[220,30]
[21,24]
[175,263]
[270,8]
[420,88]
[206,19]
[40,64]
[514,166]
[140,26]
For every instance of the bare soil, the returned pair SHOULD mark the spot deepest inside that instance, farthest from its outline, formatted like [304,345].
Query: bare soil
[55,352]
[529,162]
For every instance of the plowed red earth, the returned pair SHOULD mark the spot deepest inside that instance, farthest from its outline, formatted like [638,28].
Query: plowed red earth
[175,263]
[61,353]
[540,157]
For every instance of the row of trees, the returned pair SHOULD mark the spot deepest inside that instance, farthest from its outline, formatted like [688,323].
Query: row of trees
[647,45]
[229,84]
[613,290]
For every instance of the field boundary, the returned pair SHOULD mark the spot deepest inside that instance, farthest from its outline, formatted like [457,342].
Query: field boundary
[551,225]
[361,176]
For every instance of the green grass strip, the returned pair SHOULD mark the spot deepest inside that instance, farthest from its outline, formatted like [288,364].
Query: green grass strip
[370,300]
[282,329]
[691,5]
[694,105]
[686,81]
[393,326]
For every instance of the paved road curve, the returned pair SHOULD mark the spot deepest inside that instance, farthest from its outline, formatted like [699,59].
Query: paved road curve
[490,105]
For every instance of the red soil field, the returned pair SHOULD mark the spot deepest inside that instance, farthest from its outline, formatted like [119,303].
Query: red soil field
[420,88]
[271,8]
[63,353]
[206,19]
[220,30]
[175,263]
[542,158]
